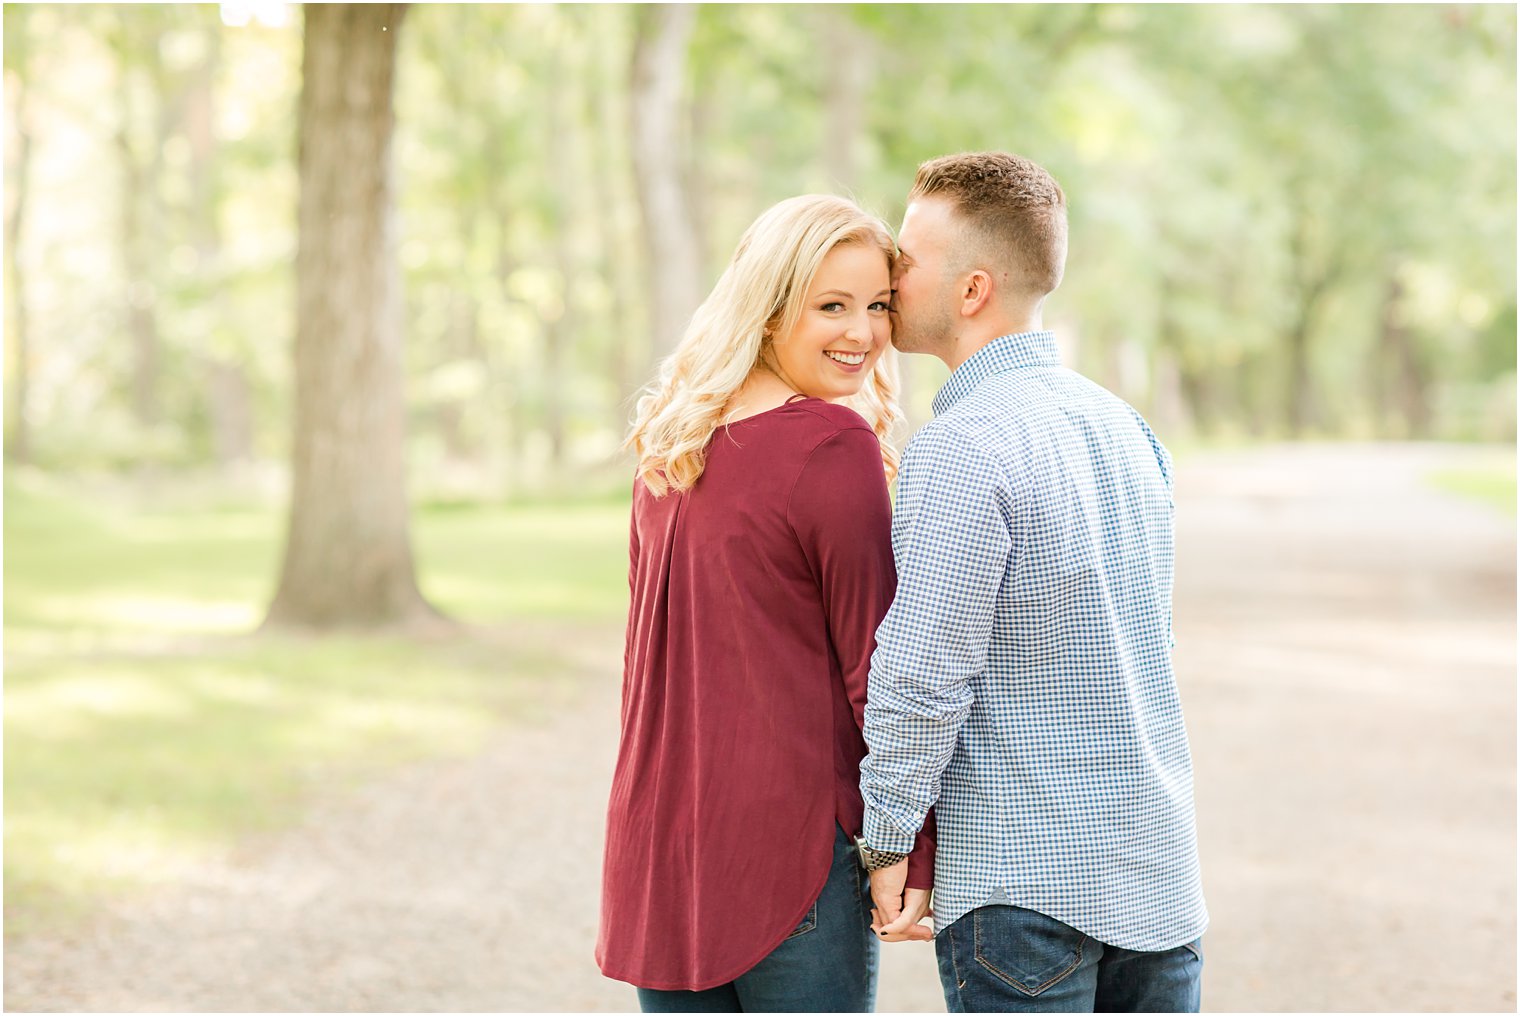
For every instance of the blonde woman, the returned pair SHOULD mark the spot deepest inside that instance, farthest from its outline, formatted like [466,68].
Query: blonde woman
[760,566]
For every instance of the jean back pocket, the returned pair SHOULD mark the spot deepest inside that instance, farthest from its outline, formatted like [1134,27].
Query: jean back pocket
[809,922]
[1026,950]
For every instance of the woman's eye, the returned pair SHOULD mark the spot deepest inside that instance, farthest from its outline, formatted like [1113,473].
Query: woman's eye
[832,306]
[880,305]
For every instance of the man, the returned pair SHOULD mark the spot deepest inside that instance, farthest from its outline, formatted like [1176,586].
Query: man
[1022,681]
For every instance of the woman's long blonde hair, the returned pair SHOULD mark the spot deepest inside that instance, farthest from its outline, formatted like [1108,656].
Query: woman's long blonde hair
[760,294]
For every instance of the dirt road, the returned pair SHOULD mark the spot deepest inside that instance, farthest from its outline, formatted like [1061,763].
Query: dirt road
[1346,651]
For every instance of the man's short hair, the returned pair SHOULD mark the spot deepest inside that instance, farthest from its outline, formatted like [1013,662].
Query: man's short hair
[1014,210]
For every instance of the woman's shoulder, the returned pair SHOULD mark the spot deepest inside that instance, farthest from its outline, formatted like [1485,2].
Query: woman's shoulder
[808,421]
[780,443]
[829,418]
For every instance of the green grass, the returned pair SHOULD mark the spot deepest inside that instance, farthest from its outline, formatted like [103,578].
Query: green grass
[1493,484]
[145,726]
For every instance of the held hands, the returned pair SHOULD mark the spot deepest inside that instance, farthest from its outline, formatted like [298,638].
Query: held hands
[897,912]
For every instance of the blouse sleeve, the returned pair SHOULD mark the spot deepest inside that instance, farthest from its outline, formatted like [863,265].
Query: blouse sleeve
[842,516]
[629,630]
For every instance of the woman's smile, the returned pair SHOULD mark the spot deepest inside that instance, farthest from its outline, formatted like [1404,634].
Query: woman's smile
[851,362]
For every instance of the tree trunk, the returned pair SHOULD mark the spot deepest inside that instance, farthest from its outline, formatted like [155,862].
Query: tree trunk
[17,435]
[1300,385]
[1300,379]
[137,217]
[608,140]
[1316,268]
[1253,405]
[1397,354]
[558,327]
[703,117]
[1192,378]
[461,345]
[844,97]
[228,394]
[348,558]
[671,250]
[507,369]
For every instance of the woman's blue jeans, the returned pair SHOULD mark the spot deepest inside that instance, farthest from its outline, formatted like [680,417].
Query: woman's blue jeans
[1008,959]
[828,964]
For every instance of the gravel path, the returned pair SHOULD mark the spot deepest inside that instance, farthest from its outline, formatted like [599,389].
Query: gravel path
[1346,649]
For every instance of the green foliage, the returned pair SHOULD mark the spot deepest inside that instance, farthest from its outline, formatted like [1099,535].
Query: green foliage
[145,726]
[1240,179]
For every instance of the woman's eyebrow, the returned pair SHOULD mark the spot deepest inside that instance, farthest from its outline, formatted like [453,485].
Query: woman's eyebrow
[840,292]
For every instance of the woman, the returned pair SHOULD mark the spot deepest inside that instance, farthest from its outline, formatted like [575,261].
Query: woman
[761,565]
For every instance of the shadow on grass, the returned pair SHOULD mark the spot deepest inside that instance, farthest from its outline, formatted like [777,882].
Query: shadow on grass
[146,729]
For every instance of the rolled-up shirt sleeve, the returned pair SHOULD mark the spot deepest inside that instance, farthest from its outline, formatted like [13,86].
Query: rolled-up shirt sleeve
[953,543]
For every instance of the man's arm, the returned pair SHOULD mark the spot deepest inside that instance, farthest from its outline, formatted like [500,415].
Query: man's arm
[1164,463]
[952,542]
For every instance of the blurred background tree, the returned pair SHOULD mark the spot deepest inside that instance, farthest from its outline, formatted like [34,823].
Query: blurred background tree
[1286,221]
[348,552]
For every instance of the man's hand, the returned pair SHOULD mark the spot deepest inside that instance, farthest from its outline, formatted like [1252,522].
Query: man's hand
[906,928]
[896,914]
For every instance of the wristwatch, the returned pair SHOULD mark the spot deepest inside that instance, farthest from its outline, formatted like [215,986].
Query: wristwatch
[872,859]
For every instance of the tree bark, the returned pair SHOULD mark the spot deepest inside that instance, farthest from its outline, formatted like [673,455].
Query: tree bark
[461,345]
[1193,378]
[137,218]
[1316,268]
[1300,384]
[1301,399]
[1397,354]
[461,337]
[228,399]
[558,327]
[703,116]
[608,139]
[671,250]
[844,97]
[508,370]
[348,558]
[17,434]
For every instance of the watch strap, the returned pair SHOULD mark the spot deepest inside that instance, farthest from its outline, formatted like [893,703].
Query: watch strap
[872,859]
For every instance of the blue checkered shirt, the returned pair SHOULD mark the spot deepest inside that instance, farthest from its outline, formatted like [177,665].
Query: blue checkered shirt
[1022,681]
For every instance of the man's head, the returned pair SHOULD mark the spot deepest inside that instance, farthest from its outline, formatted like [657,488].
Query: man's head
[982,244]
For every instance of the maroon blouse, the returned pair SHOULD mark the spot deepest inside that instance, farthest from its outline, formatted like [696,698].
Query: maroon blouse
[755,598]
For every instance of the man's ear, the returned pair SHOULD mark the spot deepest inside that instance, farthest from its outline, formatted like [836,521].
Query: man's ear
[976,294]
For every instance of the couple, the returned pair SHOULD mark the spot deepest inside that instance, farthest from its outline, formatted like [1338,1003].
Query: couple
[831,707]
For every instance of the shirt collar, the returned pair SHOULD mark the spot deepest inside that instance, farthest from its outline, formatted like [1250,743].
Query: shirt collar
[1007,352]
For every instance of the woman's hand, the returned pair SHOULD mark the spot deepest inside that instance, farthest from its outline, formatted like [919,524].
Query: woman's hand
[907,927]
[897,912]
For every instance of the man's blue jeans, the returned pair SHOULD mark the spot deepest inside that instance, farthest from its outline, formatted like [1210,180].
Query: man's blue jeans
[1008,959]
[828,964]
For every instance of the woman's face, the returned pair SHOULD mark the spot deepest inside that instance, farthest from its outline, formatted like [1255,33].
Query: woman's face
[844,325]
